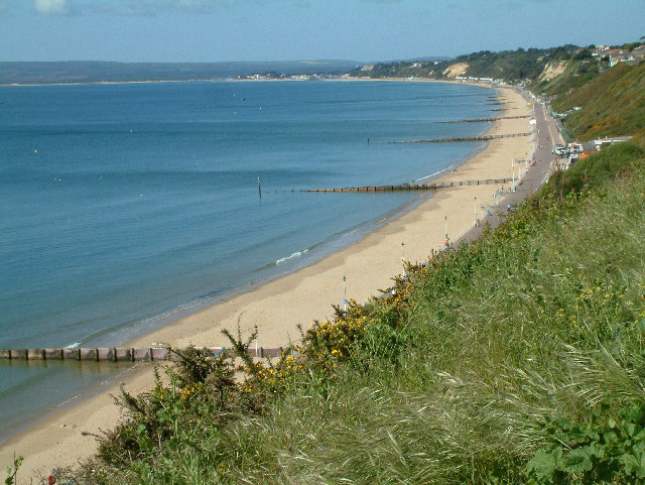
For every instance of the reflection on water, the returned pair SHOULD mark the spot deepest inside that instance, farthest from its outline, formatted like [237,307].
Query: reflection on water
[33,387]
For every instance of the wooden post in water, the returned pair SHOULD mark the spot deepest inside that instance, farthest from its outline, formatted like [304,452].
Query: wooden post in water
[259,188]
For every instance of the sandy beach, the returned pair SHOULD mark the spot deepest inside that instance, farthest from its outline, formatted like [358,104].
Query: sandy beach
[279,306]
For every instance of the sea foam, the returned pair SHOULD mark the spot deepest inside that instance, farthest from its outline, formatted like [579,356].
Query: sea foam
[297,254]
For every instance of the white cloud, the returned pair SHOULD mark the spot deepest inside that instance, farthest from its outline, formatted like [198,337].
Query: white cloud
[48,7]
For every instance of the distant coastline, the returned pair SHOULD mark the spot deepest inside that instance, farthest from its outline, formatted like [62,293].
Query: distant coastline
[146,81]
[342,78]
[100,72]
[108,83]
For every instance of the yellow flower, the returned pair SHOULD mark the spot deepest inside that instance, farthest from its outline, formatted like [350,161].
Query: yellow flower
[185,393]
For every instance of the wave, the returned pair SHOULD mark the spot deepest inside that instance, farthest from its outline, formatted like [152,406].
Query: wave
[297,254]
[433,174]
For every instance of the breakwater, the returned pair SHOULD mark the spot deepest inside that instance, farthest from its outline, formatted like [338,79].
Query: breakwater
[453,139]
[480,120]
[118,354]
[413,187]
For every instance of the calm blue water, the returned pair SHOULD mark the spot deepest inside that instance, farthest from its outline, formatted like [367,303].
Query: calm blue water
[123,204]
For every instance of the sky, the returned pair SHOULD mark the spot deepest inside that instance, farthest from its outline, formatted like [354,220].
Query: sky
[257,30]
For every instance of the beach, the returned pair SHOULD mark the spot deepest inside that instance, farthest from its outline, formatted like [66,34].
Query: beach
[279,307]
[358,272]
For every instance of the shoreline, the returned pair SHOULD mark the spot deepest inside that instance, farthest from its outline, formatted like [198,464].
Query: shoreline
[311,256]
[295,298]
[251,290]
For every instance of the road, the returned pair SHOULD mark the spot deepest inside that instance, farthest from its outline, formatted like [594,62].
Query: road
[548,136]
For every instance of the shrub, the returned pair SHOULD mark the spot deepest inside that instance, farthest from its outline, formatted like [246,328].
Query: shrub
[602,449]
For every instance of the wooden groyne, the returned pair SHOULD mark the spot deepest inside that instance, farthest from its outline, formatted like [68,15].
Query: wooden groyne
[479,120]
[117,354]
[414,187]
[454,139]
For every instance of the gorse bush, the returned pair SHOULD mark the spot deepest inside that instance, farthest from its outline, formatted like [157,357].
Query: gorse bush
[517,358]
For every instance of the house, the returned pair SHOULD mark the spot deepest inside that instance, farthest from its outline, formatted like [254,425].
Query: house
[617,56]
[600,51]
[599,142]
[638,53]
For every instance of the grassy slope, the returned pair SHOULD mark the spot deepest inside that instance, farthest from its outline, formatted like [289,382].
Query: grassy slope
[577,73]
[613,103]
[467,374]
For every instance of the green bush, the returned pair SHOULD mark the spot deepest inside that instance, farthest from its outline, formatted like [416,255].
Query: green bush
[12,471]
[602,449]
[617,160]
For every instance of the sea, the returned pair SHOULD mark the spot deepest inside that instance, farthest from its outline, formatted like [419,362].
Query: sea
[125,206]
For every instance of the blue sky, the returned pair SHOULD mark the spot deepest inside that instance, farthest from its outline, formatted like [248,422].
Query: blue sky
[362,30]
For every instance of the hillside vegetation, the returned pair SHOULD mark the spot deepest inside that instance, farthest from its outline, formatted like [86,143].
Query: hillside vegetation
[613,103]
[573,66]
[512,66]
[518,65]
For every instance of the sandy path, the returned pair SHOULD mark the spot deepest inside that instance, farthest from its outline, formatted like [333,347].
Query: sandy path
[278,307]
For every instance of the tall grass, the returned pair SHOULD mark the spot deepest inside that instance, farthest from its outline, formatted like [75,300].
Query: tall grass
[518,358]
